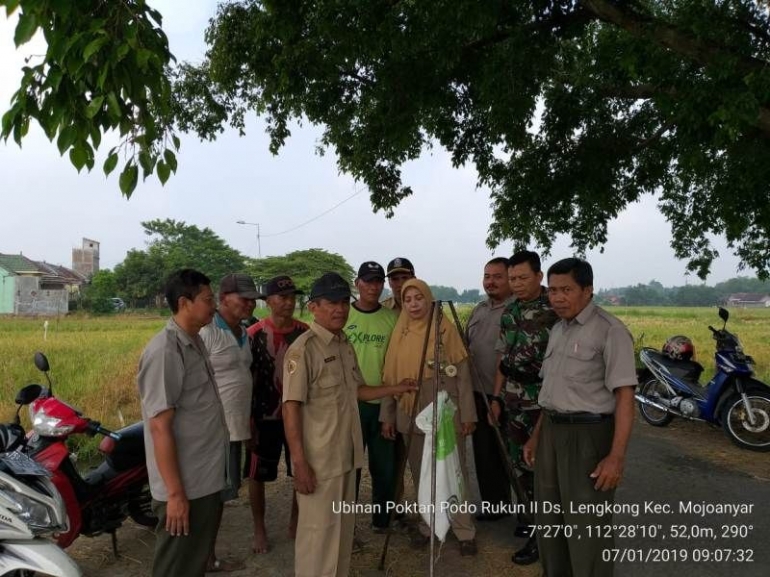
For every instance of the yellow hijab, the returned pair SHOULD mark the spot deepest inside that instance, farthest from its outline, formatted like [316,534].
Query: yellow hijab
[402,361]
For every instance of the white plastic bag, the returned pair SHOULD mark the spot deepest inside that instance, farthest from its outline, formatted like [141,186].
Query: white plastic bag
[449,477]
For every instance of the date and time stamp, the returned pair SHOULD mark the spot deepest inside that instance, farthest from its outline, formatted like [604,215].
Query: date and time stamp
[720,533]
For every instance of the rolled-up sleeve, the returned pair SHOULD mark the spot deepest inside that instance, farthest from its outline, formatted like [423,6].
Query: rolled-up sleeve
[160,378]
[620,366]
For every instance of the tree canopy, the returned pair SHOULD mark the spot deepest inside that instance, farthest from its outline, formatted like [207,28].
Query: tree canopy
[174,245]
[303,266]
[570,110]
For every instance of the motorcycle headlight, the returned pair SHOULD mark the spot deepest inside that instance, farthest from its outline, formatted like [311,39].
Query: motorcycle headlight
[47,426]
[38,516]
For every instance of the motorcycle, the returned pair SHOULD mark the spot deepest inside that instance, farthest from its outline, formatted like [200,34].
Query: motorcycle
[30,509]
[733,398]
[116,489]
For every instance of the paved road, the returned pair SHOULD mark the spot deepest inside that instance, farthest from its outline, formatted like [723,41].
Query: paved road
[662,473]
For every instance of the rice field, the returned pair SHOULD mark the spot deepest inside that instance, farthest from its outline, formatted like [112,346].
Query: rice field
[93,359]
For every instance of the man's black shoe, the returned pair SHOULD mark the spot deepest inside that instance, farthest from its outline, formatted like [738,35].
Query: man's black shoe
[527,554]
[522,530]
[491,516]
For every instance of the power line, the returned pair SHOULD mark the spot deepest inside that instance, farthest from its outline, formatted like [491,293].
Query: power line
[315,217]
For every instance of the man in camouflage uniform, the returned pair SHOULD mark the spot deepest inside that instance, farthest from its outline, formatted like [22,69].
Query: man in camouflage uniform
[524,329]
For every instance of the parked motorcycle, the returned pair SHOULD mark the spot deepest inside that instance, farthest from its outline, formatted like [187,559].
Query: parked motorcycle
[30,509]
[733,398]
[117,488]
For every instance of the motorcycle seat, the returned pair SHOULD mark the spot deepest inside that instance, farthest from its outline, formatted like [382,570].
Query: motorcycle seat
[689,371]
[128,452]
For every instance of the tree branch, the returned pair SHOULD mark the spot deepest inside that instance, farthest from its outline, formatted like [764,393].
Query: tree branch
[669,36]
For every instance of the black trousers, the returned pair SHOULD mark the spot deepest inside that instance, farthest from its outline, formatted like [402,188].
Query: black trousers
[490,468]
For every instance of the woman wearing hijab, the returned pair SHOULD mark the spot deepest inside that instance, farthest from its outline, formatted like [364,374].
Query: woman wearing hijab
[402,363]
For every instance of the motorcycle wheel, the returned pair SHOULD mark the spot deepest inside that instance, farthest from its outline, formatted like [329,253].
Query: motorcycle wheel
[654,390]
[736,423]
[140,509]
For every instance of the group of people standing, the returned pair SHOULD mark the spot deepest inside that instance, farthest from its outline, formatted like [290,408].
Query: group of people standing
[546,366]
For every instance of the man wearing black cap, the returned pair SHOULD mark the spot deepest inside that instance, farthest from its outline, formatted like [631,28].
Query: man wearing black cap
[322,383]
[400,270]
[368,329]
[270,338]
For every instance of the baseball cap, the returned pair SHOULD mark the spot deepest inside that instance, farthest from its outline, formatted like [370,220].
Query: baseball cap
[239,283]
[400,264]
[330,286]
[371,270]
[280,285]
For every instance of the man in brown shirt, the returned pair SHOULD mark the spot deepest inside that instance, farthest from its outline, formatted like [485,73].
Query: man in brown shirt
[400,270]
[322,384]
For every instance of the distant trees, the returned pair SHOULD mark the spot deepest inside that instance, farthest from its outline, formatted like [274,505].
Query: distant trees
[303,266]
[694,295]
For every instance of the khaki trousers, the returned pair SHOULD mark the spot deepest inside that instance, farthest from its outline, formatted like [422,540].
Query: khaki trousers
[324,538]
[462,523]
[566,456]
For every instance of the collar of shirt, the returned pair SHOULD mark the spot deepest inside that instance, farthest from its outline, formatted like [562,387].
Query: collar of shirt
[222,324]
[488,303]
[583,316]
[325,335]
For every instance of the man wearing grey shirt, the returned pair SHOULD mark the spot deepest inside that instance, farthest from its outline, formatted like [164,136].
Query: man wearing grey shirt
[483,331]
[579,444]
[185,434]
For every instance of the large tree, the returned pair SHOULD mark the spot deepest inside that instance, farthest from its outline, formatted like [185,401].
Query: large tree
[570,110]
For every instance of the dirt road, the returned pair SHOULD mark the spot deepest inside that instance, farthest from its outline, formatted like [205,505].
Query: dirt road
[686,461]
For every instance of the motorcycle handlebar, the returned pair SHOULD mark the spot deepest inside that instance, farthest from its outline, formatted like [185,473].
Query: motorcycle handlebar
[713,330]
[96,427]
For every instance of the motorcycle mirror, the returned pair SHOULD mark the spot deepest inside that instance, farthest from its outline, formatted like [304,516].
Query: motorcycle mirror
[41,362]
[28,394]
[724,314]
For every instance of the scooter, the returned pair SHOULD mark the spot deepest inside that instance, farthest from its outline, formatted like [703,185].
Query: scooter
[733,398]
[117,488]
[30,509]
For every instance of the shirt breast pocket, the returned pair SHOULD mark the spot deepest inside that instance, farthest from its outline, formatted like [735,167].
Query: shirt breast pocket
[328,385]
[584,364]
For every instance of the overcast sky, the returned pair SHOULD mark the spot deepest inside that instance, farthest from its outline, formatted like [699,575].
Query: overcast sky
[48,207]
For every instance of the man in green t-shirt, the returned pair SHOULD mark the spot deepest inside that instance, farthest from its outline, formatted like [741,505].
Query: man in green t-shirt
[368,329]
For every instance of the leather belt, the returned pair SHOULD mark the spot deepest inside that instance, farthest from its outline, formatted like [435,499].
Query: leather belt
[577,418]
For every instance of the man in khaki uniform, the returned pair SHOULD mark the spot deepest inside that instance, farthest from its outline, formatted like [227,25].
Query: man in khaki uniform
[579,444]
[321,388]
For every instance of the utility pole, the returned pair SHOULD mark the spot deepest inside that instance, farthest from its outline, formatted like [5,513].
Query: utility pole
[259,242]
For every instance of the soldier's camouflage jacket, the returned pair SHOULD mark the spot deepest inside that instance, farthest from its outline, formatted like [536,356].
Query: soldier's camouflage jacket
[524,330]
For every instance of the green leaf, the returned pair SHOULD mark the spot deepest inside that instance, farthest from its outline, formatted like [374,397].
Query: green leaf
[170,159]
[128,179]
[93,47]
[110,163]
[78,156]
[147,163]
[66,138]
[113,106]
[10,6]
[25,29]
[175,140]
[96,135]
[163,171]
[8,120]
[94,107]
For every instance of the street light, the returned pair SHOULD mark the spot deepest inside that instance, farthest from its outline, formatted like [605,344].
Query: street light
[259,243]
